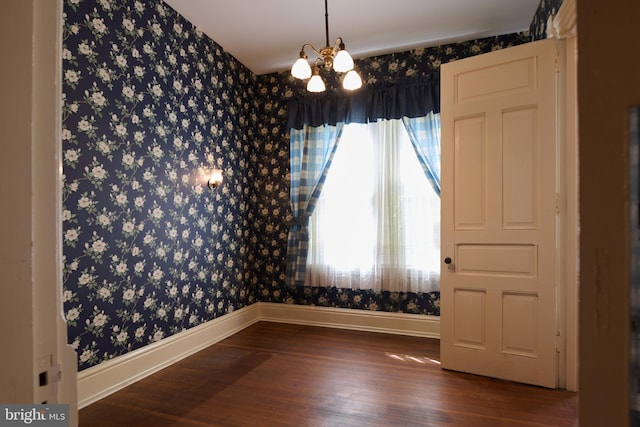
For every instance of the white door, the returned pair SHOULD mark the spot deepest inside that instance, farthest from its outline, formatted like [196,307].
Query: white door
[498,302]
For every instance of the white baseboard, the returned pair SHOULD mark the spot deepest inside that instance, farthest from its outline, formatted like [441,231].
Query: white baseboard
[108,377]
[361,320]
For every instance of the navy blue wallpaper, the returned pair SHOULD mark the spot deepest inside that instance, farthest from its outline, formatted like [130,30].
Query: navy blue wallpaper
[149,250]
[149,104]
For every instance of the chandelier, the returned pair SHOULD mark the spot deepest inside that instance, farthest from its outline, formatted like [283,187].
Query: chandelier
[335,57]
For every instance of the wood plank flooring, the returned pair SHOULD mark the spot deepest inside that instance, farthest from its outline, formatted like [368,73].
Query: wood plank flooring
[273,374]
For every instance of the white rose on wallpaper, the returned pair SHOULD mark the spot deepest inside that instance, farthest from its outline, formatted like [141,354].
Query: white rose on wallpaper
[104,293]
[103,220]
[73,315]
[148,113]
[122,337]
[128,24]
[85,203]
[138,136]
[98,172]
[156,91]
[121,268]
[98,25]
[72,77]
[86,355]
[121,130]
[139,6]
[138,268]
[68,296]
[104,147]
[138,202]
[161,253]
[85,279]
[161,70]
[99,320]
[104,74]
[149,302]
[148,240]
[71,236]
[128,227]
[161,130]
[139,72]
[97,247]
[139,333]
[84,125]
[121,61]
[71,156]
[128,160]
[157,335]
[121,199]
[128,92]
[85,49]
[67,215]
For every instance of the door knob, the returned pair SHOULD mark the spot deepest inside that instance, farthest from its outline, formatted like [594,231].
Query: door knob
[450,265]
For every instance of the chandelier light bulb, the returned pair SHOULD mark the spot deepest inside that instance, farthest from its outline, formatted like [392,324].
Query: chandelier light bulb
[316,84]
[343,62]
[352,81]
[301,69]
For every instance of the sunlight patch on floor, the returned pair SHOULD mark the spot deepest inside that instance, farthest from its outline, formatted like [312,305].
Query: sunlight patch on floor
[415,359]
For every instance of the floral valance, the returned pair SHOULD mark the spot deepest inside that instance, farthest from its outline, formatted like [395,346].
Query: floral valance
[412,98]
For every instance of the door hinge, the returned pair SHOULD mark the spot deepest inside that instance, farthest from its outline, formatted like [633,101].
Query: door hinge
[556,62]
[557,202]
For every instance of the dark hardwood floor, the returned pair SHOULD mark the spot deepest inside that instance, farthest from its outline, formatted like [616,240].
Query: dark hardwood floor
[273,374]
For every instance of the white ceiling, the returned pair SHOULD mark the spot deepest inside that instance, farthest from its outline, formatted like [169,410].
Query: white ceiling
[266,35]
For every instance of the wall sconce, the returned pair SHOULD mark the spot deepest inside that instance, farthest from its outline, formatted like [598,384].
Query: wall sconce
[215,178]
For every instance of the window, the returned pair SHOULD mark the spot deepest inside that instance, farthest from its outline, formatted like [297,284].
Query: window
[376,224]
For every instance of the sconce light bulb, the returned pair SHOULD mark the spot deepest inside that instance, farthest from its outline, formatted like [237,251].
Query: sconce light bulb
[215,179]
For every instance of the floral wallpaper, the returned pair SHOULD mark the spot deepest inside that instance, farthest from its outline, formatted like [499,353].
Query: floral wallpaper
[149,104]
[149,249]
[546,8]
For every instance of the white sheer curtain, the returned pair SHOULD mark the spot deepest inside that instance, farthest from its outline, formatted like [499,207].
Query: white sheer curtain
[377,222]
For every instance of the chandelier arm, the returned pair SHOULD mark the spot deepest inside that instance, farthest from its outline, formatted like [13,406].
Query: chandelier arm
[310,47]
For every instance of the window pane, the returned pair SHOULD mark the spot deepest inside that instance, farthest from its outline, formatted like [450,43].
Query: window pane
[377,222]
